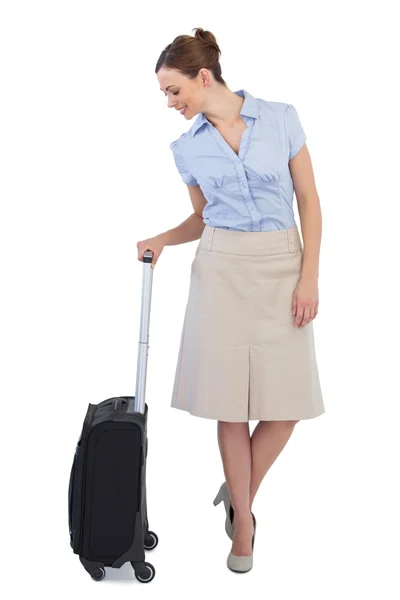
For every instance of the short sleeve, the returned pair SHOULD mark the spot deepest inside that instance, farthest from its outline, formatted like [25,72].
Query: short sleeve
[294,130]
[180,164]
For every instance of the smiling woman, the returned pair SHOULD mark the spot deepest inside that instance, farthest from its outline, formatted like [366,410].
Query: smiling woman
[182,60]
[247,344]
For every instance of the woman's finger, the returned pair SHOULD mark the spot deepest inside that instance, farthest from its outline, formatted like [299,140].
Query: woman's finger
[306,316]
[294,305]
[299,315]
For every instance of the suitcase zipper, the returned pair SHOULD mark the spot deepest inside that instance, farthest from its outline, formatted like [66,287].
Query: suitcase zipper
[71,492]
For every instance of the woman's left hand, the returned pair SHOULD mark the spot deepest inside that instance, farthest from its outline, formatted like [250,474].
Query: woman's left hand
[305,301]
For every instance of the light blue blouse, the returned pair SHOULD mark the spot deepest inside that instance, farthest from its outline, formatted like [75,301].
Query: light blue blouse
[252,191]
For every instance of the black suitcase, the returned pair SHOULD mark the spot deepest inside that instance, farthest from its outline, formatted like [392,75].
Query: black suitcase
[107,506]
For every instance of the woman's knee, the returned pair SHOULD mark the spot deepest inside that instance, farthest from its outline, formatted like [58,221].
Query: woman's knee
[233,424]
[287,423]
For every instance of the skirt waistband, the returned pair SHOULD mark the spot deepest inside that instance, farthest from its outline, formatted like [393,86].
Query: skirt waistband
[250,243]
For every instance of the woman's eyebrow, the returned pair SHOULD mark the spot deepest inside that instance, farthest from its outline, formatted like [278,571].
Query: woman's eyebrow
[167,88]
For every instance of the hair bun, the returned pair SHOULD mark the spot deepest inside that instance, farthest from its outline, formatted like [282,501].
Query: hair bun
[188,54]
[207,37]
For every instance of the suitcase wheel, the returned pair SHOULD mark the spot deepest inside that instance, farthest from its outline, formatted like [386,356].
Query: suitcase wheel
[144,571]
[150,540]
[98,574]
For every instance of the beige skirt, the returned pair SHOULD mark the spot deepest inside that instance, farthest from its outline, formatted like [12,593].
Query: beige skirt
[241,358]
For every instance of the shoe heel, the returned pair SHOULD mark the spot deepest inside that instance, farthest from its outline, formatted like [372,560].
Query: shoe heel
[219,497]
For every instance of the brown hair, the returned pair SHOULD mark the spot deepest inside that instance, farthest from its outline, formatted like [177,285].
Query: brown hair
[190,53]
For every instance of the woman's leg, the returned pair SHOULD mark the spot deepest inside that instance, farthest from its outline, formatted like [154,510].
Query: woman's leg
[246,461]
[235,448]
[267,442]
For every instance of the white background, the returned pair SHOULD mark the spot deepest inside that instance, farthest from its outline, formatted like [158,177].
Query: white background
[86,172]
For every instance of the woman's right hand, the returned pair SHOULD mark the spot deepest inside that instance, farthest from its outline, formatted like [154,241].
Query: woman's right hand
[154,244]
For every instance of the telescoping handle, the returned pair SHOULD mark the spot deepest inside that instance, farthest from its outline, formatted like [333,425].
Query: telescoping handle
[137,404]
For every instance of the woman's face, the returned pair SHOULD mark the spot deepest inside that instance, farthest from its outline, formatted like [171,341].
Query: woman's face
[182,91]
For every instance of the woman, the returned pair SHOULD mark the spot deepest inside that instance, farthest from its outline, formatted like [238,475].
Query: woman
[247,346]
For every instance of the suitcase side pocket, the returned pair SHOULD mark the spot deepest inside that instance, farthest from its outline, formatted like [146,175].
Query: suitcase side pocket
[78,481]
[72,496]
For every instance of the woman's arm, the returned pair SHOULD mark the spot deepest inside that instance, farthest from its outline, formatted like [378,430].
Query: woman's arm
[309,211]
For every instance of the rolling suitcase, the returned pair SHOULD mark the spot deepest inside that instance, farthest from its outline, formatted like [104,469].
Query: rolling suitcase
[107,506]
